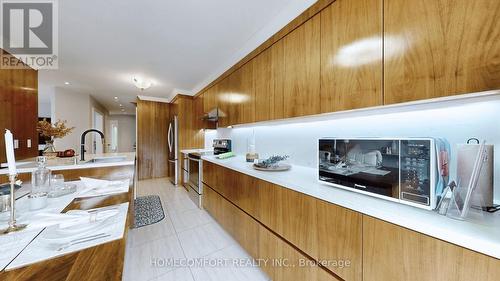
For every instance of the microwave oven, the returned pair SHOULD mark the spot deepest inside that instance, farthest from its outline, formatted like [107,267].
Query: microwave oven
[411,171]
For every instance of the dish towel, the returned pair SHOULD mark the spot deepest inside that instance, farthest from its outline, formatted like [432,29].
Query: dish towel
[96,187]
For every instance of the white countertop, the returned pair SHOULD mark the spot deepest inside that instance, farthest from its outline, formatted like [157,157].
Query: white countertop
[482,237]
[187,151]
[59,164]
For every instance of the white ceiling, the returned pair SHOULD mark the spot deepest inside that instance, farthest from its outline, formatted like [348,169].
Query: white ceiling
[181,44]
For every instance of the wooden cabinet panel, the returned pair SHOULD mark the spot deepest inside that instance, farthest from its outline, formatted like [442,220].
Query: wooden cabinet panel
[299,220]
[391,252]
[302,69]
[322,230]
[152,147]
[236,187]
[241,226]
[241,95]
[435,48]
[199,138]
[286,263]
[340,239]
[351,55]
[19,110]
[268,83]
[210,99]
[283,261]
[224,102]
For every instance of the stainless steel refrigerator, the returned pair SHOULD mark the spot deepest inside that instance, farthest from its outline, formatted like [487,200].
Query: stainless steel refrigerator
[173,160]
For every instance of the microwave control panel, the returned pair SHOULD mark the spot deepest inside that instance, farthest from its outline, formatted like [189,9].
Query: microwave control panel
[415,171]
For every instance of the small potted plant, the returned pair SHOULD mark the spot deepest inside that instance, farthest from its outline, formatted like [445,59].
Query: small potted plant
[53,131]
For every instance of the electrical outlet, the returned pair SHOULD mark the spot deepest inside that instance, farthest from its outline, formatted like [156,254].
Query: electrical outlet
[16,144]
[28,143]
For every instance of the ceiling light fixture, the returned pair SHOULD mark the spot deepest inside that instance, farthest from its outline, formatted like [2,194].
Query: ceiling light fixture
[142,83]
[66,83]
[116,98]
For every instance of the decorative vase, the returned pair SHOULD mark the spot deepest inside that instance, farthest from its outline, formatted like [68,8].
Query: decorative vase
[49,151]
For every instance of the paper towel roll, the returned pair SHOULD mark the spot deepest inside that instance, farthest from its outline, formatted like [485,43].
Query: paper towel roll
[466,155]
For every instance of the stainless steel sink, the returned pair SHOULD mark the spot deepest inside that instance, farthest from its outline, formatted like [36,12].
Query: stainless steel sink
[108,159]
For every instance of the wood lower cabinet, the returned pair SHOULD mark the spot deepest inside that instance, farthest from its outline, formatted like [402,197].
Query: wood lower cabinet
[279,260]
[436,48]
[284,262]
[302,70]
[391,252]
[339,238]
[322,231]
[351,55]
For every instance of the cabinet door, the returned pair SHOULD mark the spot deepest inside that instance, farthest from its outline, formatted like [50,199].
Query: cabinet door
[300,221]
[241,95]
[302,70]
[199,137]
[209,99]
[391,252]
[268,83]
[351,55]
[224,102]
[436,48]
[285,263]
[340,239]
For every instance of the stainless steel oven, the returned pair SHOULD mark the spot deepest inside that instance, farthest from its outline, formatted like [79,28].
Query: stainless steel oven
[195,171]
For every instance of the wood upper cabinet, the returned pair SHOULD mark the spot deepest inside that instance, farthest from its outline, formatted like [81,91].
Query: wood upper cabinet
[224,102]
[351,55]
[241,95]
[210,98]
[199,138]
[19,110]
[268,83]
[436,48]
[391,252]
[301,50]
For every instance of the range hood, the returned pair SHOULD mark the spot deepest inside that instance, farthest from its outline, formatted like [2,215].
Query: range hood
[212,118]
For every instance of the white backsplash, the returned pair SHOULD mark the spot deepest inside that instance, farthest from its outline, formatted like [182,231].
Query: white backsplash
[455,120]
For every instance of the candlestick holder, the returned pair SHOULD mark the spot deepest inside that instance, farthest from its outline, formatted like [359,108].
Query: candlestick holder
[13,226]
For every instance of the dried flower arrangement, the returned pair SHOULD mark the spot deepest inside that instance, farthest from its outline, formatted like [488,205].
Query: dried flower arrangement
[272,161]
[55,131]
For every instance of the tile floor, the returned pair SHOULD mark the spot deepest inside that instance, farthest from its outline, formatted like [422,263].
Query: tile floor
[186,235]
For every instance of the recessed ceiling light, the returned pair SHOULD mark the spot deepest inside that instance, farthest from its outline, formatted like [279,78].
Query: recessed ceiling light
[66,83]
[116,98]
[121,104]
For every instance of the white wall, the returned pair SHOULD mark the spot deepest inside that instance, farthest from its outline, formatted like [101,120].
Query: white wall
[44,110]
[126,132]
[456,121]
[76,109]
[72,107]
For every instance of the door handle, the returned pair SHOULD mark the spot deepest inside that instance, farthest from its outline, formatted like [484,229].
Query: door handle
[360,186]
[169,137]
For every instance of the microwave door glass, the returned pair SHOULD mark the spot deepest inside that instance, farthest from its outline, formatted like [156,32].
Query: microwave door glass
[363,164]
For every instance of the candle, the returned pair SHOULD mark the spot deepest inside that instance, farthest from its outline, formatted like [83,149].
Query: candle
[9,151]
